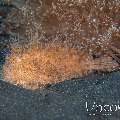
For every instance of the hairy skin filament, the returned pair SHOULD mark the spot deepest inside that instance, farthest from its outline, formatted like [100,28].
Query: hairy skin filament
[38,66]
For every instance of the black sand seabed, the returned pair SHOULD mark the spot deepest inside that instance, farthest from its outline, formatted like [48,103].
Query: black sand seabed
[64,101]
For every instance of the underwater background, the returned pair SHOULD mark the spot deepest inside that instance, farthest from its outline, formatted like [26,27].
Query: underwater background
[83,98]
